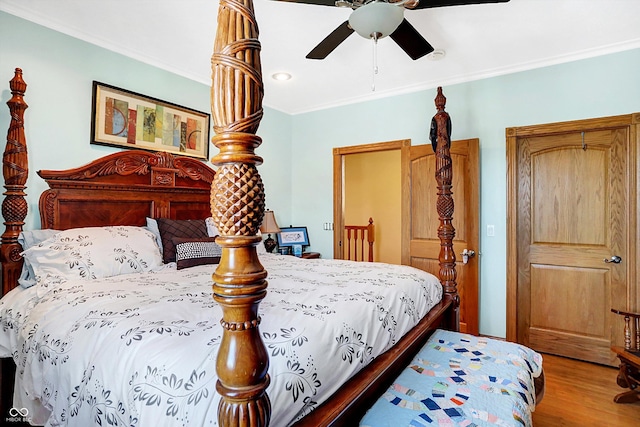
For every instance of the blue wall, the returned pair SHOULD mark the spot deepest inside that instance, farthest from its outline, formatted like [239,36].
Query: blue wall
[603,86]
[297,150]
[59,71]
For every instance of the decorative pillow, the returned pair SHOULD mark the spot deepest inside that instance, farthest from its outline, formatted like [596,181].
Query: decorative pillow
[92,253]
[28,239]
[170,228]
[196,251]
[152,225]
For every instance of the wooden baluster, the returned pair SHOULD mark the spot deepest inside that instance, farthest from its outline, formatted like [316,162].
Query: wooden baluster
[15,171]
[237,207]
[355,245]
[637,333]
[370,238]
[446,231]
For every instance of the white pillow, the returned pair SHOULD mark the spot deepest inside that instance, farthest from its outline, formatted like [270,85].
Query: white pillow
[27,239]
[261,249]
[212,231]
[152,226]
[92,253]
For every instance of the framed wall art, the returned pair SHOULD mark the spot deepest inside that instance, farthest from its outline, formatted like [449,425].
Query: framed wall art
[121,118]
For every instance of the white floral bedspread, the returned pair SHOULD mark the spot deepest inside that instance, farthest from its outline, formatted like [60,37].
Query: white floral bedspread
[139,350]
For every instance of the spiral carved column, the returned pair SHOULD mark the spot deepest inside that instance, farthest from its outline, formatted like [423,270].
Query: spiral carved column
[446,231]
[15,171]
[237,207]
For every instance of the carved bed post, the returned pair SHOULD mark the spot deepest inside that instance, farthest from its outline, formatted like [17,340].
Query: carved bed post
[237,207]
[15,171]
[446,231]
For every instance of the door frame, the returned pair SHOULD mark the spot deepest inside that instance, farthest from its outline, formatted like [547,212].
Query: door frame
[632,121]
[339,154]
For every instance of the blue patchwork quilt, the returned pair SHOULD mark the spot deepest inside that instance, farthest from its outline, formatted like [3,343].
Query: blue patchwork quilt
[461,380]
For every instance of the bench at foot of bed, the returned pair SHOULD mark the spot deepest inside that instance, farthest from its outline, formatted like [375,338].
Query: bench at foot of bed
[461,380]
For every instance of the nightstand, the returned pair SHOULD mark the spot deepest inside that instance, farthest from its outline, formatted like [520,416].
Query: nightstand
[310,255]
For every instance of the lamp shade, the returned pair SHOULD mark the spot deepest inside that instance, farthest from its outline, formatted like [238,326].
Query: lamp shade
[269,224]
[376,18]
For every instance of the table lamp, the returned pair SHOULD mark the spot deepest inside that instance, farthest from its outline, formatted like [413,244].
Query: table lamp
[269,225]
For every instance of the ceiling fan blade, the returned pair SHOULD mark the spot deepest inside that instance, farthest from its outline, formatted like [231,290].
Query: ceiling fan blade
[319,2]
[410,40]
[326,46]
[426,4]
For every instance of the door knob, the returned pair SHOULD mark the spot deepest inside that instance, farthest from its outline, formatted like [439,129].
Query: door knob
[614,260]
[466,254]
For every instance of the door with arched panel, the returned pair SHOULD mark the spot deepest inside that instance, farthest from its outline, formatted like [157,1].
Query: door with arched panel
[420,222]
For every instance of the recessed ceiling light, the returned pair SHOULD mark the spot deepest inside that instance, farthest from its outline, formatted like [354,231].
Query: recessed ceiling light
[437,55]
[281,76]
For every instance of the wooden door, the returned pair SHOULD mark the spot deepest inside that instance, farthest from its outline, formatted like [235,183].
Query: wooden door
[420,242]
[571,188]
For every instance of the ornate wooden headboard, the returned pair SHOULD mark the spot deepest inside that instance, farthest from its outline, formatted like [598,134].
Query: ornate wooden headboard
[124,188]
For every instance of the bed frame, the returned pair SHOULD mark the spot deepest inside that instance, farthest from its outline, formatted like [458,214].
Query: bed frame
[125,187]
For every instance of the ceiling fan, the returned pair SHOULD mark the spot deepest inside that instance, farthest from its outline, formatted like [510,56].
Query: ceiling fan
[375,19]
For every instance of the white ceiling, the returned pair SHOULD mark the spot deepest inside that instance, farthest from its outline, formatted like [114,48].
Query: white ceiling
[479,40]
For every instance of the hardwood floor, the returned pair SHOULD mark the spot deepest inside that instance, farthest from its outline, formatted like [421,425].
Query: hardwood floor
[581,394]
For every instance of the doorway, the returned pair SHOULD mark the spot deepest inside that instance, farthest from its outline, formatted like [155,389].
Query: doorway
[419,220]
[361,190]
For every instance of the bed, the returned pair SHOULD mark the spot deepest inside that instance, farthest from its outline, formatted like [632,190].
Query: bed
[116,194]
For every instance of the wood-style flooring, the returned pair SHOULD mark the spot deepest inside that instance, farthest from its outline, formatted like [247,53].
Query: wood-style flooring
[581,394]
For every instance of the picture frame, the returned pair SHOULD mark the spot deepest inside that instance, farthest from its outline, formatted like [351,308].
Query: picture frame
[125,119]
[290,236]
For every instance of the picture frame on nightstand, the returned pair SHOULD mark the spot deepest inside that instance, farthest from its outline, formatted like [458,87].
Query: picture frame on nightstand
[290,236]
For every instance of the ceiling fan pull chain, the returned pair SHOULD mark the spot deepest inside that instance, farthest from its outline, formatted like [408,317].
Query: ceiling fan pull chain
[375,60]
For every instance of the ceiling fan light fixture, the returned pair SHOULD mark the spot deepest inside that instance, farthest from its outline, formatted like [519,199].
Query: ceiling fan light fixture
[379,18]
